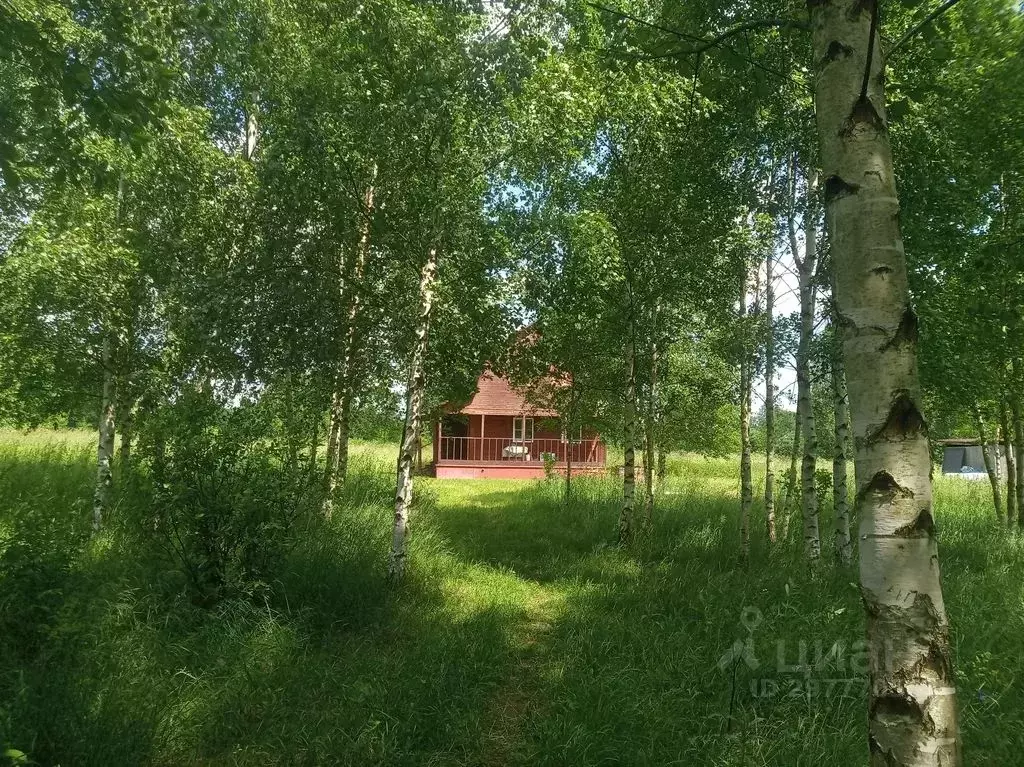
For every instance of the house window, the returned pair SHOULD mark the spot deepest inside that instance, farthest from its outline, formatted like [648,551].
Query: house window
[522,430]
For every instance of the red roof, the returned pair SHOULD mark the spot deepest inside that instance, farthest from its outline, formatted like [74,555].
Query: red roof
[495,396]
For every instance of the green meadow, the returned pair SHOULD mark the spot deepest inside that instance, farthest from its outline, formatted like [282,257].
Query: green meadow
[522,635]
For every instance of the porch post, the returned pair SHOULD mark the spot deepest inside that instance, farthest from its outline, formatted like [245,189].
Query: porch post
[483,433]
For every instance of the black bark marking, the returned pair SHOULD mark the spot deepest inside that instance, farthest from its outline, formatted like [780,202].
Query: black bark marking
[904,422]
[835,188]
[923,526]
[906,333]
[862,115]
[881,270]
[835,51]
[895,708]
[884,486]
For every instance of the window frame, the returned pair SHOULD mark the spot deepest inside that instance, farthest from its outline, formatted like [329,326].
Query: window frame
[521,425]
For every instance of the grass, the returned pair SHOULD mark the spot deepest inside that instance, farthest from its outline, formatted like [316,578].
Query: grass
[522,636]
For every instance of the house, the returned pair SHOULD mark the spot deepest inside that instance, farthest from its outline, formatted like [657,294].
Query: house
[499,435]
[963,458]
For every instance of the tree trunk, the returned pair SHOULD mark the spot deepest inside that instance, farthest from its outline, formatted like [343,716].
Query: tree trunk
[626,521]
[126,420]
[1018,450]
[991,462]
[413,407]
[652,409]
[912,717]
[1011,464]
[662,465]
[769,398]
[314,445]
[789,491]
[568,468]
[105,442]
[746,489]
[341,405]
[840,498]
[806,268]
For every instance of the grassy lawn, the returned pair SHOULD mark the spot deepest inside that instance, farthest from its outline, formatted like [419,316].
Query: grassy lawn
[522,637]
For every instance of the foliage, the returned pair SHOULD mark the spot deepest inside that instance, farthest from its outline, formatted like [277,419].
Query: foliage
[219,495]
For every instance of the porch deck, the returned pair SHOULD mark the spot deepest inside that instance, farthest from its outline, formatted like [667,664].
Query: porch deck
[503,458]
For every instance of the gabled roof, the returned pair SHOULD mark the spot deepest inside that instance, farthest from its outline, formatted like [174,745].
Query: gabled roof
[495,396]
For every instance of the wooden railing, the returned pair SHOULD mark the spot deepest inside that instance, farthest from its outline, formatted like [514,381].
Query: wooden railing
[500,449]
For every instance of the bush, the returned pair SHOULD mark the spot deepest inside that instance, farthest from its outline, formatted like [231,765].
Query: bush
[219,494]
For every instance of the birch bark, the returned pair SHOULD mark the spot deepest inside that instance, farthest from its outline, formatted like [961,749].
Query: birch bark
[105,441]
[912,717]
[746,489]
[806,269]
[1011,464]
[626,518]
[991,465]
[341,403]
[413,415]
[769,398]
[840,498]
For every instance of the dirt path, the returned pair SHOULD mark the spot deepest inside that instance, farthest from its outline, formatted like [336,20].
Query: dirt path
[506,715]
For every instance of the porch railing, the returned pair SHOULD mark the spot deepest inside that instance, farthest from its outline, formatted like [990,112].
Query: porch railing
[500,449]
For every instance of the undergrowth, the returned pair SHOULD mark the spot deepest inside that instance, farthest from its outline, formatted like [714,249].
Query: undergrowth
[523,636]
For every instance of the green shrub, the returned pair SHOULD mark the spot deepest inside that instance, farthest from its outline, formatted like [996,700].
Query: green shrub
[216,491]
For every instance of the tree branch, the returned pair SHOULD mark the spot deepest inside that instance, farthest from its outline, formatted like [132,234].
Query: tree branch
[936,13]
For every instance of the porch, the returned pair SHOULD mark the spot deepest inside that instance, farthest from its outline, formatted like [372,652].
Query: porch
[512,447]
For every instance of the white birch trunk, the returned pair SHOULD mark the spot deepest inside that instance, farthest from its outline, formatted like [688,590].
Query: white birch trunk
[840,499]
[991,462]
[786,503]
[413,415]
[1011,465]
[1018,450]
[769,398]
[806,268]
[746,488]
[105,441]
[626,520]
[652,408]
[912,717]
[341,401]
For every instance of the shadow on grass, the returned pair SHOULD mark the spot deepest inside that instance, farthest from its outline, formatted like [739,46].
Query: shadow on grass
[522,637]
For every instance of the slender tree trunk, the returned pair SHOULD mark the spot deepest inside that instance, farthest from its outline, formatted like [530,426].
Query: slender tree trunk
[105,442]
[662,465]
[626,520]
[1011,464]
[314,445]
[769,399]
[341,403]
[126,422]
[808,465]
[840,498]
[1018,450]
[568,468]
[746,488]
[414,405]
[787,502]
[991,462]
[651,416]
[912,717]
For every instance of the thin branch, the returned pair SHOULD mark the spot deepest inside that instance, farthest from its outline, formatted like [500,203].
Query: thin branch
[920,25]
[871,50]
[708,43]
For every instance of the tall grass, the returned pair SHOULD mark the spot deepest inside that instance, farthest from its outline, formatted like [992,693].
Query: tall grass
[522,637]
